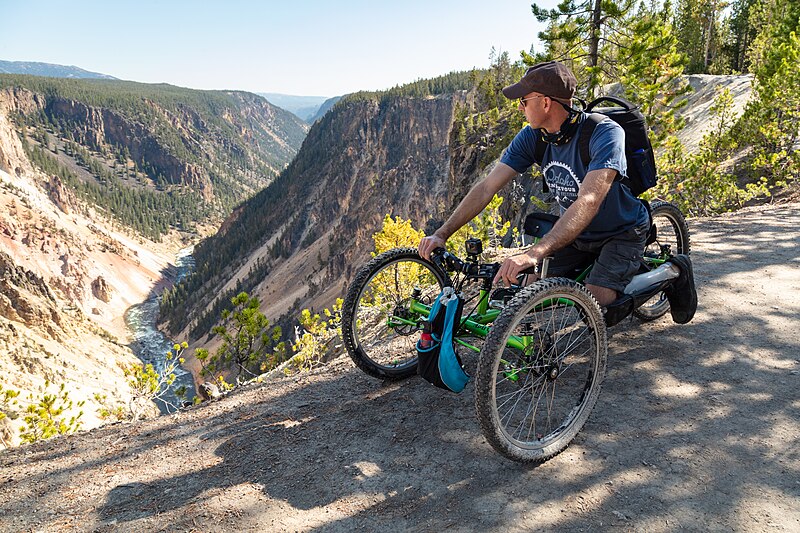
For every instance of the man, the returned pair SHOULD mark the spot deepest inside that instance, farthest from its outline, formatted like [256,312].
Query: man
[600,221]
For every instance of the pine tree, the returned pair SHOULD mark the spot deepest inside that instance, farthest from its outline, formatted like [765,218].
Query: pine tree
[247,339]
[699,32]
[651,74]
[771,122]
[585,32]
[741,34]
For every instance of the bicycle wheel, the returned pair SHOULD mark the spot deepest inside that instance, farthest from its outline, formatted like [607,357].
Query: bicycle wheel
[379,328]
[540,370]
[672,237]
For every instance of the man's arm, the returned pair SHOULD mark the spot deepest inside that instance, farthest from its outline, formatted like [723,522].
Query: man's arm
[473,203]
[577,218]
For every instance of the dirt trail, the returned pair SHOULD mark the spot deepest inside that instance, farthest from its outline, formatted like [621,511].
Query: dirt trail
[696,429]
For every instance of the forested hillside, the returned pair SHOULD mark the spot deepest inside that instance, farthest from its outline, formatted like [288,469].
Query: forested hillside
[367,142]
[152,156]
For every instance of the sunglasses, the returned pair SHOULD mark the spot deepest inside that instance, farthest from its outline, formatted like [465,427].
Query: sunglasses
[523,100]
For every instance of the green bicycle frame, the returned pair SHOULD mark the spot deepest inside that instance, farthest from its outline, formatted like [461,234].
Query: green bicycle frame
[478,323]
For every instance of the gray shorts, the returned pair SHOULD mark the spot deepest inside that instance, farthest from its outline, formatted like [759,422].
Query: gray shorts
[616,259]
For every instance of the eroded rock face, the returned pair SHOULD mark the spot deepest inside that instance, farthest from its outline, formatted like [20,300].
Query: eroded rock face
[62,197]
[13,274]
[12,156]
[102,290]
[27,299]
[73,278]
[361,161]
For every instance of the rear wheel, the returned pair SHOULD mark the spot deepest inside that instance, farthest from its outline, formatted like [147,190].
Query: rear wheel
[540,370]
[379,327]
[672,238]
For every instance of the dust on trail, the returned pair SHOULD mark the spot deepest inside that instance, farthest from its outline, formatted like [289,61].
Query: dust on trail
[696,429]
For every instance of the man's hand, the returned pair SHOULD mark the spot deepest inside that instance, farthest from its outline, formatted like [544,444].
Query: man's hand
[512,267]
[429,244]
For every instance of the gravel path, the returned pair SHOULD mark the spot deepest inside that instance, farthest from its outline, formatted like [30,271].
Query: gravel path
[696,429]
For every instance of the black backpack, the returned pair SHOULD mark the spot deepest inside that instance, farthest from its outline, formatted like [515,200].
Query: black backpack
[638,150]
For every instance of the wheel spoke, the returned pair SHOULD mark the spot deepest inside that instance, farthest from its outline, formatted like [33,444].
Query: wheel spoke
[378,326]
[539,395]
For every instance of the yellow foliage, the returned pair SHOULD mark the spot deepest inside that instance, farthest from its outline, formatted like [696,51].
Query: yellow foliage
[396,233]
[313,343]
[488,226]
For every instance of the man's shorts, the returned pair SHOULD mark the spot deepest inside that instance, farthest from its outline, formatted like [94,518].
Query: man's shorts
[616,259]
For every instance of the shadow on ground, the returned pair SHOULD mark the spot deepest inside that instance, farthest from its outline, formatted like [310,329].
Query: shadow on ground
[695,429]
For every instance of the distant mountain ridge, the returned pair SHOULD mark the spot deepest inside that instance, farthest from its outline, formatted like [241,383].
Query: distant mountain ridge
[49,70]
[324,108]
[305,107]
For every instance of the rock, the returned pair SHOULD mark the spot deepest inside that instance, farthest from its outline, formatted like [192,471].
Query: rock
[7,309]
[62,197]
[13,274]
[209,391]
[102,290]
[95,311]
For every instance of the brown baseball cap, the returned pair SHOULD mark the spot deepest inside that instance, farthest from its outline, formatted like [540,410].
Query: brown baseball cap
[551,78]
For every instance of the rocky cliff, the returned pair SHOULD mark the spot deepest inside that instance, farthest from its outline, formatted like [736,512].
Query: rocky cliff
[71,155]
[65,283]
[365,158]
[297,243]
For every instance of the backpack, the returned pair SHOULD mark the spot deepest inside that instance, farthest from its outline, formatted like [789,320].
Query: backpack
[638,150]
[439,363]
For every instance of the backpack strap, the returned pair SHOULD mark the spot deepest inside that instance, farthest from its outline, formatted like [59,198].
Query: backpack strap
[592,120]
[538,153]
[538,157]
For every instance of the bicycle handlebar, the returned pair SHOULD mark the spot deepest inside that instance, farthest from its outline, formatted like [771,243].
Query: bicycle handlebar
[450,263]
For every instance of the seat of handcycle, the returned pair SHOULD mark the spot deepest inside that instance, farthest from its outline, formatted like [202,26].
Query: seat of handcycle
[538,224]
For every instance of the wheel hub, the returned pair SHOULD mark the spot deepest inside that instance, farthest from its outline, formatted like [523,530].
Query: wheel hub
[402,311]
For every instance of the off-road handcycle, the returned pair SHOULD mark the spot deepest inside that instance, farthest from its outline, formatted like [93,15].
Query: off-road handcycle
[542,348]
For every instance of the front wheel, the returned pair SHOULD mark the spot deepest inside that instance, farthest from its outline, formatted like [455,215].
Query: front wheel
[672,238]
[382,315]
[540,370]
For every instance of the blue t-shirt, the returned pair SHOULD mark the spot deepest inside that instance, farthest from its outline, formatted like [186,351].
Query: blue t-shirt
[564,171]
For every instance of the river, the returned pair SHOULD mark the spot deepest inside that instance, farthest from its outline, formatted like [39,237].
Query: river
[151,345]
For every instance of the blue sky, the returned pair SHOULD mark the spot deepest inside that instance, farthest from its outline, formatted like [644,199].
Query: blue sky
[302,47]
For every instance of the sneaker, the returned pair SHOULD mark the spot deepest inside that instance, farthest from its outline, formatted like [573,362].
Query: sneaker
[681,293]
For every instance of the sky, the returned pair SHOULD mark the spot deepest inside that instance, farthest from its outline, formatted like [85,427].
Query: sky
[299,47]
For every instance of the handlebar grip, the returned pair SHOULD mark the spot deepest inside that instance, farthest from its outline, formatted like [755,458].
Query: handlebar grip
[437,258]
[446,261]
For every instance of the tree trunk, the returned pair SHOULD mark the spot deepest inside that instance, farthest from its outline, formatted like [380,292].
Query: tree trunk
[594,47]
[712,16]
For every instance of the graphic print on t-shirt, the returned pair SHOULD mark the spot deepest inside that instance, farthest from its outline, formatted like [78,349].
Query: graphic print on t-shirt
[563,182]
